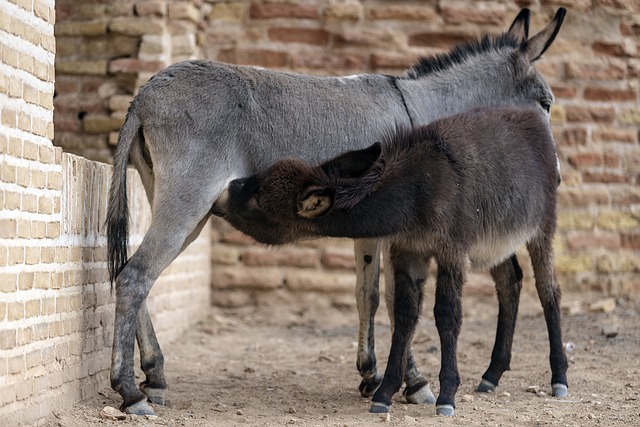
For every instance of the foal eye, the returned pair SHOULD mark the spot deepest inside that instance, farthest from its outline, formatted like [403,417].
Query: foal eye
[546,105]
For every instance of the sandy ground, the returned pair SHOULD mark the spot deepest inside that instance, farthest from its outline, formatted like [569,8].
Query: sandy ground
[296,366]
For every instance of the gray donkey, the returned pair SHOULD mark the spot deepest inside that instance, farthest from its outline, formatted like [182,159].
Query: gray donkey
[197,125]
[470,188]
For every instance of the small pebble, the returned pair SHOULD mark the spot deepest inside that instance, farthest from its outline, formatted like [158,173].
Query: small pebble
[506,394]
[238,412]
[292,410]
[467,398]
[610,330]
[533,389]
[605,305]
[569,347]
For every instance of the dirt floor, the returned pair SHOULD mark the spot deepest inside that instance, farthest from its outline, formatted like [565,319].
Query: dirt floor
[297,367]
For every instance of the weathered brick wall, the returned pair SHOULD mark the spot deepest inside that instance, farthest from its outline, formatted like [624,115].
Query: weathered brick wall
[593,67]
[56,306]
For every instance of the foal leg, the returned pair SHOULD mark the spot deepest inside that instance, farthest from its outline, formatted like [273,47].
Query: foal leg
[508,279]
[410,275]
[448,314]
[367,254]
[541,252]
[417,388]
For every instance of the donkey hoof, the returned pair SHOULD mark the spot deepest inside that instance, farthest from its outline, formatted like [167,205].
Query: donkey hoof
[379,408]
[559,390]
[369,385]
[422,395]
[155,395]
[140,408]
[445,410]
[485,386]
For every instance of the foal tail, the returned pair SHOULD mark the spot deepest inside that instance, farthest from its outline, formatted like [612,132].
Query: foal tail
[118,209]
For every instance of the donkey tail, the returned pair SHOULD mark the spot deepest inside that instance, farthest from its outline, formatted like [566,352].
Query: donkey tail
[118,209]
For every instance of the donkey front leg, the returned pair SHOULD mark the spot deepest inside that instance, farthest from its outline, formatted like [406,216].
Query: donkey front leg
[410,271]
[508,280]
[448,315]
[367,255]
[541,252]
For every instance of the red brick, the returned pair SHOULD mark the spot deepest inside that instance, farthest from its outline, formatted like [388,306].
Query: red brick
[571,136]
[630,240]
[596,70]
[380,39]
[291,257]
[283,10]
[392,60]
[334,258]
[329,62]
[439,40]
[626,5]
[580,240]
[583,196]
[299,35]
[562,91]
[404,12]
[581,114]
[613,49]
[614,135]
[605,177]
[630,25]
[610,95]
[262,58]
[588,159]
[132,65]
[483,13]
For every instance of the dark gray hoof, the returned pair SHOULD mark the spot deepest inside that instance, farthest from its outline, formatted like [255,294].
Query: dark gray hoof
[155,395]
[559,390]
[421,396]
[445,410]
[140,408]
[379,408]
[485,386]
[369,385]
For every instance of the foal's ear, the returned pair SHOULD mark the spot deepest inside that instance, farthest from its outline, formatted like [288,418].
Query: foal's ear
[353,164]
[315,201]
[538,44]
[519,29]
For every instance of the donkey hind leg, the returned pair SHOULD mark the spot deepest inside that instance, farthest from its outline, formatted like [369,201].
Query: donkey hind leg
[157,250]
[508,279]
[151,357]
[541,253]
[448,315]
[410,273]
[417,388]
[367,254]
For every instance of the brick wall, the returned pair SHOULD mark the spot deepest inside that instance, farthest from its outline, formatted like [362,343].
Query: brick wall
[593,67]
[56,306]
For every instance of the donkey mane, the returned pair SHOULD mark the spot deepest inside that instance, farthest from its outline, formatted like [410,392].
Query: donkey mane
[460,53]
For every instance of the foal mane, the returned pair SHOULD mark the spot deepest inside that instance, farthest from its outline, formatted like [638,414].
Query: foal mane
[461,53]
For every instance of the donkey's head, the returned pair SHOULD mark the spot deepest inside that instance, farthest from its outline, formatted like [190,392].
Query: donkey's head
[491,71]
[278,205]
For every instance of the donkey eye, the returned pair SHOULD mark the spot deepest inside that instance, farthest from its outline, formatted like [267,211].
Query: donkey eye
[546,105]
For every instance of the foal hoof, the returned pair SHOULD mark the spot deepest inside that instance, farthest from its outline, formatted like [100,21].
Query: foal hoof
[140,408]
[485,386]
[559,390]
[421,396]
[445,410]
[155,395]
[379,408]
[369,385]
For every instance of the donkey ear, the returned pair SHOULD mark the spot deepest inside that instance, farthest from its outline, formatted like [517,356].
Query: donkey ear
[538,44]
[353,164]
[519,29]
[315,201]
